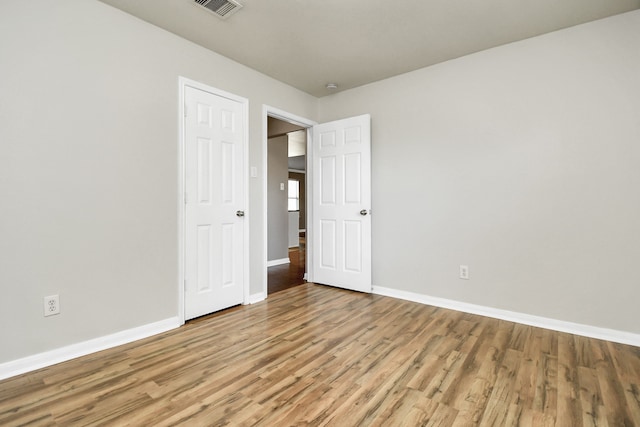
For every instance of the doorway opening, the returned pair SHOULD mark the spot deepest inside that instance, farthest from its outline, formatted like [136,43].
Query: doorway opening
[338,198]
[286,204]
[297,123]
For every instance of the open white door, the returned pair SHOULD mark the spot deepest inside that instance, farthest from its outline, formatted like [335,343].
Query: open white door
[214,129]
[341,203]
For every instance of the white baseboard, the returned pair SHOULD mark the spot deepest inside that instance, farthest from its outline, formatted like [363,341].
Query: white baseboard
[52,357]
[254,298]
[512,316]
[278,262]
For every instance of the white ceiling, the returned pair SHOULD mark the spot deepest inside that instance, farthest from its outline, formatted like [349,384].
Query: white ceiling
[309,43]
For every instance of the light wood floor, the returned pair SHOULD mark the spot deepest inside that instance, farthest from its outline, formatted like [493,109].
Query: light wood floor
[323,356]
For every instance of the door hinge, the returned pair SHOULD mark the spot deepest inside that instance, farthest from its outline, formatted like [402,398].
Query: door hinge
[185,198]
[185,285]
[186,110]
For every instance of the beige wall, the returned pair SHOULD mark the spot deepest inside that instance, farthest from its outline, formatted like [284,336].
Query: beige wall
[88,168]
[521,162]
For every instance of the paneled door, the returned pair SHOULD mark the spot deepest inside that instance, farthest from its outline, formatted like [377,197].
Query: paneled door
[214,202]
[341,203]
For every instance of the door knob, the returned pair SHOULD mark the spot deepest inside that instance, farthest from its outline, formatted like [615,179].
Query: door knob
[239,213]
[363,212]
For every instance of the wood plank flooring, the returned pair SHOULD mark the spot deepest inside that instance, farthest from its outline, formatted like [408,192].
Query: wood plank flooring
[285,276]
[314,355]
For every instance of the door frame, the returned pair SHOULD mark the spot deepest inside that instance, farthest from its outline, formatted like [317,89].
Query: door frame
[184,82]
[269,111]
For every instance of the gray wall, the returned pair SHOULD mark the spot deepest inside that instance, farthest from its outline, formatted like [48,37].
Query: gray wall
[88,168]
[522,162]
[278,216]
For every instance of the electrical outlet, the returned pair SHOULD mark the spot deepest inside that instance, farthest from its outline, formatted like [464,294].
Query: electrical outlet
[51,305]
[464,272]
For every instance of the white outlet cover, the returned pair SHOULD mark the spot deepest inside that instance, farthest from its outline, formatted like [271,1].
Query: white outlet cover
[51,305]
[464,272]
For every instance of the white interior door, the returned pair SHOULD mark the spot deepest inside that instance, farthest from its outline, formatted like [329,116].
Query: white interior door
[341,203]
[214,202]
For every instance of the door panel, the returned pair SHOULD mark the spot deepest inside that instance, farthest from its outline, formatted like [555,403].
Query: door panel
[353,246]
[352,178]
[328,244]
[228,262]
[341,203]
[204,170]
[214,193]
[204,255]
[328,180]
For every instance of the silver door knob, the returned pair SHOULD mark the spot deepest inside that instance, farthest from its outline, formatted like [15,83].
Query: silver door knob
[363,212]
[239,213]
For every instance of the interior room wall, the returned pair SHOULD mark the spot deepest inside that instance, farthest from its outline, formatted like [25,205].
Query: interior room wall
[278,216]
[520,162]
[89,165]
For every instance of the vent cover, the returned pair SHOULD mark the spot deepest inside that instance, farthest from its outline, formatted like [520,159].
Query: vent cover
[222,8]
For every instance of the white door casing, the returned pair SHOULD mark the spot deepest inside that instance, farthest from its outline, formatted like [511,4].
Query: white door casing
[270,111]
[341,203]
[215,199]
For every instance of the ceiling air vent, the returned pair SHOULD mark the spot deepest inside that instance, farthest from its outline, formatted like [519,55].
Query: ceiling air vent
[222,8]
